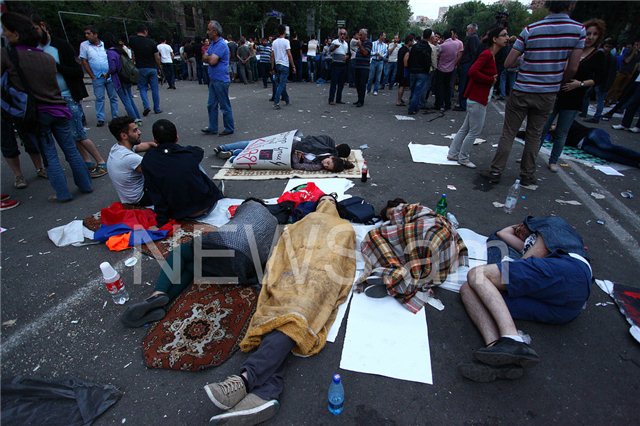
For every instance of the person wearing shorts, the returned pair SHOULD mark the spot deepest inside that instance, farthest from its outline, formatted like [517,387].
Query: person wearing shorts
[543,276]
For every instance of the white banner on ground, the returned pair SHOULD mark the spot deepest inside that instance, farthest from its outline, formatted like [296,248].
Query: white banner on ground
[269,152]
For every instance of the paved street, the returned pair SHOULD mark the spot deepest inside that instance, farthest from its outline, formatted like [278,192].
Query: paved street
[589,370]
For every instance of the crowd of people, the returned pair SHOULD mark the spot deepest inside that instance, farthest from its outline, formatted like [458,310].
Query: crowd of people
[548,71]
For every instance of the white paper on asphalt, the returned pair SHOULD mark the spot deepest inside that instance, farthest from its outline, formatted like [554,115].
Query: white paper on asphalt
[430,154]
[218,215]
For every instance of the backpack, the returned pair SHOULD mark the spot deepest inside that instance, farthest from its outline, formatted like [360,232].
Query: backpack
[17,105]
[128,73]
[357,210]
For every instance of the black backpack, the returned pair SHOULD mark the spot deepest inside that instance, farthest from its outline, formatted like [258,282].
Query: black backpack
[128,73]
[18,106]
[357,210]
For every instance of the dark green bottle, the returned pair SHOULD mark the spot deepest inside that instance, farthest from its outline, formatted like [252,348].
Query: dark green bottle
[441,207]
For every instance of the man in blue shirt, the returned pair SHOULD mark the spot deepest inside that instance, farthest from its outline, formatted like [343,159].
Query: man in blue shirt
[217,56]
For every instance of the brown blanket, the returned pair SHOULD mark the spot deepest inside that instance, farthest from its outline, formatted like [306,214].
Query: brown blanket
[309,274]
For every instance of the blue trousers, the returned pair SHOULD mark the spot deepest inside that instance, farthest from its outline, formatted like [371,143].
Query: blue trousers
[565,119]
[219,99]
[390,73]
[127,100]
[375,75]
[418,84]
[100,85]
[265,366]
[148,78]
[282,73]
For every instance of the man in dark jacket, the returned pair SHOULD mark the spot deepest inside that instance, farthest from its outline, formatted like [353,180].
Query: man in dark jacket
[471,52]
[173,178]
[419,67]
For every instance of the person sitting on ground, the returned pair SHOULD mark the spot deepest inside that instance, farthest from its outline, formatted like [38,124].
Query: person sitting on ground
[250,231]
[174,179]
[310,153]
[294,314]
[549,281]
[124,161]
[407,256]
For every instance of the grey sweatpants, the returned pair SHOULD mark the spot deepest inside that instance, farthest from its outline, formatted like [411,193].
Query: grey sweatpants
[470,130]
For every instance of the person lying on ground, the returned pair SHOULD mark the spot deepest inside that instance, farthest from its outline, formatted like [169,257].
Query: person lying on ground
[250,232]
[124,161]
[597,142]
[549,283]
[415,251]
[173,178]
[294,314]
[311,153]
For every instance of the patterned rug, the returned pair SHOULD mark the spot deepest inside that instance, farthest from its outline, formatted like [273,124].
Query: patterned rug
[229,173]
[203,328]
[159,249]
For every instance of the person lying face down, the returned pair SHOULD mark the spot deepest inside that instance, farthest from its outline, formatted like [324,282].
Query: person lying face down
[309,274]
[549,281]
[250,231]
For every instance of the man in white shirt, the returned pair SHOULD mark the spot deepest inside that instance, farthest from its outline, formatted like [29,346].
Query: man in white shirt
[166,58]
[378,55]
[281,59]
[312,52]
[392,61]
[339,54]
[124,162]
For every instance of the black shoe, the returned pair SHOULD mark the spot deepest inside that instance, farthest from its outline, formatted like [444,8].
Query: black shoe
[158,111]
[225,133]
[527,181]
[339,102]
[100,124]
[146,112]
[376,291]
[411,113]
[355,103]
[459,109]
[506,351]
[487,373]
[359,104]
[492,177]
[206,131]
[150,309]
[592,120]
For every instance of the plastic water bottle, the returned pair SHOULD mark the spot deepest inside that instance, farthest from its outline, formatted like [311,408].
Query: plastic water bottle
[441,207]
[453,220]
[512,197]
[336,395]
[114,284]
[365,172]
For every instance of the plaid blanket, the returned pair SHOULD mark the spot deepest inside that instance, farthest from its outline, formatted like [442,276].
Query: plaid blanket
[414,252]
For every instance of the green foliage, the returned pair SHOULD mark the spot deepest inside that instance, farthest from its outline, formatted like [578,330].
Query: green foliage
[461,15]
[621,17]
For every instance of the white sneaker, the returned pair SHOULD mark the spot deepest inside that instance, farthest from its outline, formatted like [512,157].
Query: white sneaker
[467,163]
[635,129]
[554,168]
[618,127]
[375,93]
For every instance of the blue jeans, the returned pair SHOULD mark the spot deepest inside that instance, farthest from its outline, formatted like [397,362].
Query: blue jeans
[375,74]
[390,73]
[565,119]
[282,73]
[598,143]
[463,70]
[51,126]
[234,148]
[507,79]
[127,100]
[219,98]
[77,129]
[338,77]
[148,77]
[99,87]
[418,82]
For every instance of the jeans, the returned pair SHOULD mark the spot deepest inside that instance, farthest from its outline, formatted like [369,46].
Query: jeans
[565,120]
[338,77]
[192,68]
[632,107]
[169,74]
[601,94]
[375,75]
[427,90]
[361,75]
[77,129]
[60,128]
[463,70]
[282,73]
[442,86]
[234,148]
[219,98]
[598,143]
[417,82]
[265,366]
[470,130]
[507,79]
[390,73]
[99,87]
[127,100]
[148,77]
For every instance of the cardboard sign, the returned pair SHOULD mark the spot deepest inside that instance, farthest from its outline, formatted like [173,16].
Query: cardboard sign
[269,152]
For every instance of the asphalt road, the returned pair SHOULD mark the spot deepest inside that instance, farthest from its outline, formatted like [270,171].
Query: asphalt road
[590,368]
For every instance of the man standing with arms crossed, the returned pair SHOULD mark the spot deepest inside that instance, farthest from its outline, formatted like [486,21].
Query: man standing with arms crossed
[546,47]
[147,59]
[361,65]
[339,53]
[217,56]
[281,59]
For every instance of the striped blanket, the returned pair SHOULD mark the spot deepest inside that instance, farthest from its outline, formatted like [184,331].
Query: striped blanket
[414,252]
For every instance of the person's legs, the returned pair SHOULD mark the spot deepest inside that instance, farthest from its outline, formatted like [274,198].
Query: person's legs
[212,108]
[540,106]
[447,79]
[264,71]
[439,90]
[126,101]
[113,98]
[515,112]
[378,76]
[372,75]
[282,75]
[456,144]
[565,119]
[144,75]
[180,264]
[169,74]
[242,71]
[98,92]
[361,75]
[10,150]
[222,94]
[233,146]
[57,178]
[424,97]
[334,83]
[610,152]
[462,84]
[61,129]
[601,94]
[476,113]
[479,314]
[632,107]
[418,82]
[341,77]
[155,92]
[547,126]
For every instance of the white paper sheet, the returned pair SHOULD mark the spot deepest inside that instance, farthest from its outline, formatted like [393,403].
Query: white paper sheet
[380,331]
[608,170]
[476,243]
[430,154]
[404,118]
[328,185]
[218,215]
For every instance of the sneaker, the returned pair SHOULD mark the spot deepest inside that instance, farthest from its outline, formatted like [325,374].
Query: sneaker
[554,168]
[20,182]
[224,155]
[42,173]
[492,177]
[146,112]
[227,394]
[506,351]
[635,129]
[8,204]
[467,163]
[618,127]
[452,157]
[98,171]
[4,197]
[149,310]
[375,93]
[276,106]
[250,411]
[483,373]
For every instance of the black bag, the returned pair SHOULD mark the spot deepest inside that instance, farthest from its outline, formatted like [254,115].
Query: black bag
[128,73]
[357,210]
[17,105]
